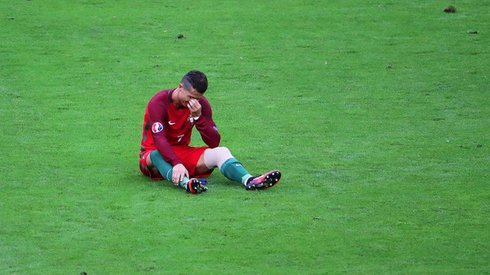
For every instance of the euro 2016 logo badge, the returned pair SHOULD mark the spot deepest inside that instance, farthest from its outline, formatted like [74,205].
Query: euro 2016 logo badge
[157,127]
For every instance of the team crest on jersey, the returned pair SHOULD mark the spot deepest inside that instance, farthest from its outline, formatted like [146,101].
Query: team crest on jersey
[157,127]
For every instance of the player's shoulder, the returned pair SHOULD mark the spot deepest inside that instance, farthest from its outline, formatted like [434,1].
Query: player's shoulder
[160,97]
[203,99]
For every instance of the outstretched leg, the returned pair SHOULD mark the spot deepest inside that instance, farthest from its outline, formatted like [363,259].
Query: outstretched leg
[232,169]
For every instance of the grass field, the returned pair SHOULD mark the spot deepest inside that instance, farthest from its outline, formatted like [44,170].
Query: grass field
[376,112]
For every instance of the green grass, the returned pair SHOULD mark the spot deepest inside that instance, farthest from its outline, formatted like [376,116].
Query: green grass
[377,113]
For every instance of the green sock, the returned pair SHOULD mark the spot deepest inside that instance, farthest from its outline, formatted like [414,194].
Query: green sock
[232,169]
[165,168]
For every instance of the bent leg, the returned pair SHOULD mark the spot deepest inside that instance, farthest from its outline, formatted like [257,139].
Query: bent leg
[146,166]
[156,161]
[165,168]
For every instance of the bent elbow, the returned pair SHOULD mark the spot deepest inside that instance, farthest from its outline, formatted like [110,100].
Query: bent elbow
[214,142]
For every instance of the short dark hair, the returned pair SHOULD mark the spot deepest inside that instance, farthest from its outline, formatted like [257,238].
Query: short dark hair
[195,79]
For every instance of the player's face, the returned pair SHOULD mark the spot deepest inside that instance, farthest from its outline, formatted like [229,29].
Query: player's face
[186,95]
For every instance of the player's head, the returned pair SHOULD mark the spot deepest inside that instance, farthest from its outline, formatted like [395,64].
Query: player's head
[195,80]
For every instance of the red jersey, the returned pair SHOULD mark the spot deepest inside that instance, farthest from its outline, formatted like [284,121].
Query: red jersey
[165,126]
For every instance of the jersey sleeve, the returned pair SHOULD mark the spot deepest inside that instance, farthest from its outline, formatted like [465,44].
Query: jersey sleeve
[206,126]
[157,112]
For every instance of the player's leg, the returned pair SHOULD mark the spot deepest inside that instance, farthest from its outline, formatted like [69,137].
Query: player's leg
[222,158]
[155,159]
[232,169]
[146,170]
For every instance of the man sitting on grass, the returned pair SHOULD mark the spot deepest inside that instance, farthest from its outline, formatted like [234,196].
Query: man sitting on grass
[165,153]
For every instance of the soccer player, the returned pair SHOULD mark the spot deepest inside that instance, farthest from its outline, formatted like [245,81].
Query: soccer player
[165,152]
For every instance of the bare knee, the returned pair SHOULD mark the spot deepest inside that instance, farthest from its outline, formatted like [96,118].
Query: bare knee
[222,151]
[215,157]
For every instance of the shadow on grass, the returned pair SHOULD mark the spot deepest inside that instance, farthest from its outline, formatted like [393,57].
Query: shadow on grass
[214,183]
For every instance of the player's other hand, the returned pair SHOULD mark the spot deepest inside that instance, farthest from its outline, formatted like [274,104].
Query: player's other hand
[178,173]
[195,107]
